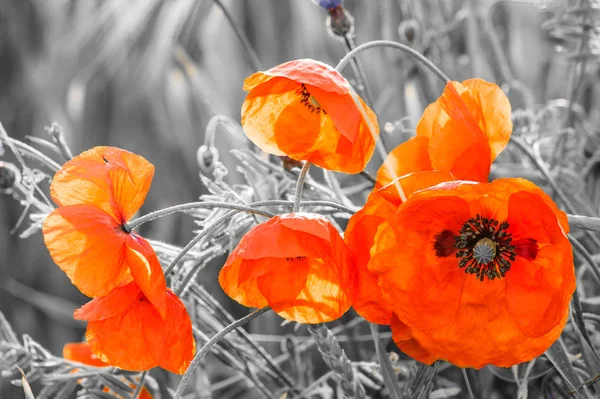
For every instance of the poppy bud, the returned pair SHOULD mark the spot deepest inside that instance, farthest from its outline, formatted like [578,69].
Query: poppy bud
[340,22]
[9,177]
[207,158]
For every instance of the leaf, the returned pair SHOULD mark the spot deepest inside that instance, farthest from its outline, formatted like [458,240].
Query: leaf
[559,359]
[389,376]
[26,387]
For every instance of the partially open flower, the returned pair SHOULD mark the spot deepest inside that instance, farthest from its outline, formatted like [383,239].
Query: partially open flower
[82,353]
[297,264]
[125,330]
[477,273]
[367,298]
[307,110]
[462,132]
[97,192]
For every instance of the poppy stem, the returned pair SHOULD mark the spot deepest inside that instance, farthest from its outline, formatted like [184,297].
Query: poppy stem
[402,47]
[208,345]
[250,208]
[140,386]
[300,186]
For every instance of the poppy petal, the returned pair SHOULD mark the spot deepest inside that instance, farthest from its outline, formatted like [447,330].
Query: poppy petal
[404,340]
[410,156]
[81,352]
[495,113]
[539,287]
[238,280]
[111,305]
[119,341]
[170,341]
[88,245]
[305,71]
[110,178]
[146,271]
[412,275]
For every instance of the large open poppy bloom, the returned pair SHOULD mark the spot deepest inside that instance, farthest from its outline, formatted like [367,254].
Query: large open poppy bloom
[125,330]
[366,296]
[82,353]
[477,273]
[297,264]
[308,111]
[97,192]
[462,132]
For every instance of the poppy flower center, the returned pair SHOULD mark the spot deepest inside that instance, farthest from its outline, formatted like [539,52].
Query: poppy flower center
[309,101]
[483,246]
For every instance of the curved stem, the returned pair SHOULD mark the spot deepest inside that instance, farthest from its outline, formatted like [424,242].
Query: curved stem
[199,205]
[195,240]
[402,47]
[214,340]
[254,60]
[300,186]
[193,205]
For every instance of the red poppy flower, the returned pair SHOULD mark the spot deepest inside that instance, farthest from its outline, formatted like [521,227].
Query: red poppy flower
[307,110]
[97,193]
[462,132]
[477,273]
[297,264]
[367,299]
[82,353]
[125,330]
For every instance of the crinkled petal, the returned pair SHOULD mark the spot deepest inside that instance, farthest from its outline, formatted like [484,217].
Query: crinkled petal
[238,280]
[140,339]
[410,156]
[171,341]
[110,178]
[539,288]
[81,352]
[412,275]
[89,246]
[406,342]
[146,271]
[305,71]
[111,305]
[495,113]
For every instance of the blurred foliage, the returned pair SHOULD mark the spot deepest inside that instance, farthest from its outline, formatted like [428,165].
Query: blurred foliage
[151,75]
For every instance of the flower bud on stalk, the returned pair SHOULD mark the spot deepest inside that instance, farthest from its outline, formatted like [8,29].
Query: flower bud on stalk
[339,22]
[9,177]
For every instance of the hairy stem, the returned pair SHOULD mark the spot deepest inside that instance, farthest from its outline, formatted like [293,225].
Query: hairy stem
[212,342]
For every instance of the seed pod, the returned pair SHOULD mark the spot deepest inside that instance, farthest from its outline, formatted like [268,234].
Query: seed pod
[9,177]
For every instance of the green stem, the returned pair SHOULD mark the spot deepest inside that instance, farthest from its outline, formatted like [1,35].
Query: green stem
[300,186]
[402,47]
[212,342]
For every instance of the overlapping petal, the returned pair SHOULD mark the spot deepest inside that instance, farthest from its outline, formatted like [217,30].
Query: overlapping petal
[306,110]
[448,306]
[367,298]
[297,264]
[136,337]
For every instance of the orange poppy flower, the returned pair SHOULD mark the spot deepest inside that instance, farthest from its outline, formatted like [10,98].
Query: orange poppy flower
[82,353]
[462,132]
[367,299]
[297,264]
[97,193]
[125,330]
[308,111]
[477,273]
